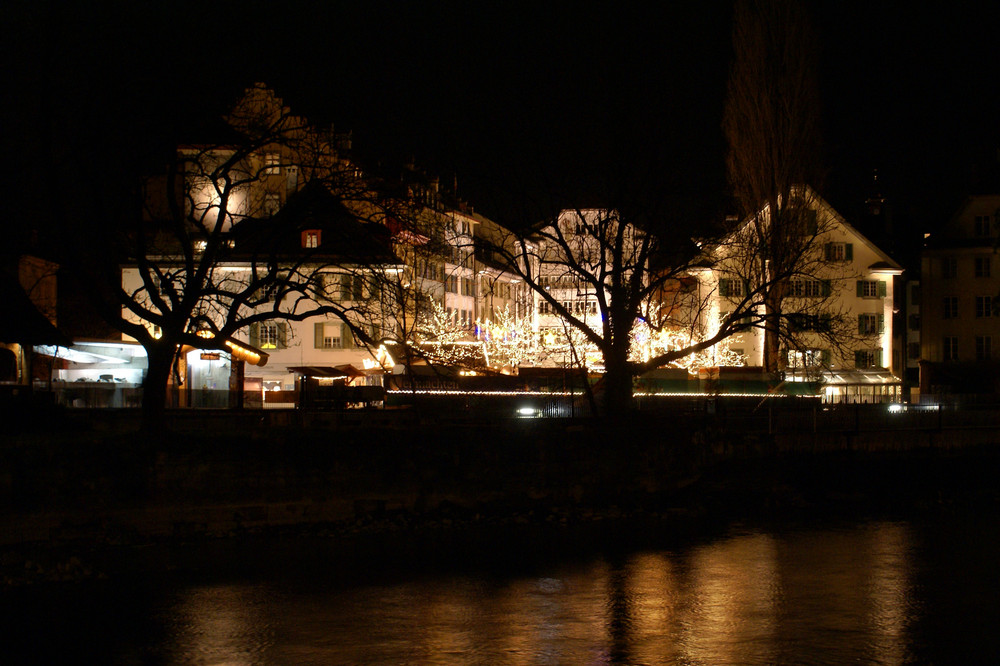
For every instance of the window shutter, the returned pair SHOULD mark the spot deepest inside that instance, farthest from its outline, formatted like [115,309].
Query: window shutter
[825,288]
[828,251]
[345,287]
[859,358]
[825,357]
[861,288]
[318,335]
[878,358]
[861,324]
[255,335]
[882,291]
[849,251]
[746,288]
[282,335]
[881,323]
[346,337]
[724,287]
[359,288]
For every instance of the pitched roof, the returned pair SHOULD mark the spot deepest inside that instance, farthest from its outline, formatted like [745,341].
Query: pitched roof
[22,322]
[343,236]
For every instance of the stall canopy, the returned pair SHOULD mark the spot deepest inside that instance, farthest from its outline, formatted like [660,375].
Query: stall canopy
[345,370]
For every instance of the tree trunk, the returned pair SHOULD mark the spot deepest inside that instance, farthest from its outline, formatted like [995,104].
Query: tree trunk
[772,332]
[154,386]
[617,384]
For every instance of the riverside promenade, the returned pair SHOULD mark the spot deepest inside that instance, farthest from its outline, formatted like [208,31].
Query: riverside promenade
[92,476]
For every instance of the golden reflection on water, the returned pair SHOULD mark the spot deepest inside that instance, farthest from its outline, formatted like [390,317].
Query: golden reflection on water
[824,596]
[731,594]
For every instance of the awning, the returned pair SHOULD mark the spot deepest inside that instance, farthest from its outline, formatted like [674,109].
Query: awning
[345,370]
[860,377]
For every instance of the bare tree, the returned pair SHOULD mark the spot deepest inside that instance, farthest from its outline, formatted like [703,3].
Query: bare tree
[243,232]
[602,275]
[794,299]
[772,125]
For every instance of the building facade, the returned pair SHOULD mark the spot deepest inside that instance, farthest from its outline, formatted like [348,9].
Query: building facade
[959,283]
[837,307]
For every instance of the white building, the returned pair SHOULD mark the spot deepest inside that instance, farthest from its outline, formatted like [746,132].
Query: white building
[842,279]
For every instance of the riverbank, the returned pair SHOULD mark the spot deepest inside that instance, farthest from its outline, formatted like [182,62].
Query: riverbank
[76,505]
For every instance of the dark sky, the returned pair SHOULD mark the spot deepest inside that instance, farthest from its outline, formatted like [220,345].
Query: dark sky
[517,100]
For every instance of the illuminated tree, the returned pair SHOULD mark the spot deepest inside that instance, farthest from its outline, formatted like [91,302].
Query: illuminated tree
[595,275]
[508,340]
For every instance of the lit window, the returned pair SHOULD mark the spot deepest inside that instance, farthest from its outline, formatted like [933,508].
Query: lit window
[311,238]
[272,163]
[805,358]
[269,338]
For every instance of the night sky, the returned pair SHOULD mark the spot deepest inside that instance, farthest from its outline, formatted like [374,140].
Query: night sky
[517,102]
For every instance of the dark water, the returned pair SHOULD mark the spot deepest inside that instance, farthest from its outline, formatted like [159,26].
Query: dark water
[873,591]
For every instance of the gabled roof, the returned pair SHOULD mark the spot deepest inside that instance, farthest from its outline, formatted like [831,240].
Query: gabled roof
[343,237]
[885,263]
[22,322]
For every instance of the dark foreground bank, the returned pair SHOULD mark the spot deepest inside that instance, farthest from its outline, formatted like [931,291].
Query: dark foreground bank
[91,503]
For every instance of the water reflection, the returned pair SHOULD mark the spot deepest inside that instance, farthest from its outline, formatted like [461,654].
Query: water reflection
[824,596]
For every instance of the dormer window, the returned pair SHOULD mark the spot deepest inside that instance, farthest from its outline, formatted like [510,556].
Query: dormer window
[272,163]
[311,238]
